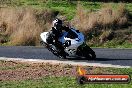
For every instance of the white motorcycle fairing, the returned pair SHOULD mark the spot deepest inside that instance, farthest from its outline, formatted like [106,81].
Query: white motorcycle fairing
[75,43]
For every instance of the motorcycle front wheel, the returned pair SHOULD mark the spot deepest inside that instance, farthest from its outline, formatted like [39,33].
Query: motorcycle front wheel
[85,51]
[90,55]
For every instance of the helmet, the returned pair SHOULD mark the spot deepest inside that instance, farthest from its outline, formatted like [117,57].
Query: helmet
[57,23]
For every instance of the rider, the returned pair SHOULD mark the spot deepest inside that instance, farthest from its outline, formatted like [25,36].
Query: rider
[56,33]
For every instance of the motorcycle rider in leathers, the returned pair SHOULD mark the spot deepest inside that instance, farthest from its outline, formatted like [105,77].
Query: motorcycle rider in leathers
[56,32]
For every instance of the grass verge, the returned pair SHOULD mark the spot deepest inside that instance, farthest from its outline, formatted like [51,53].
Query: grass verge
[67,80]
[58,82]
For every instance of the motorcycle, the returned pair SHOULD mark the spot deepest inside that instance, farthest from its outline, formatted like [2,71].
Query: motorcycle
[76,47]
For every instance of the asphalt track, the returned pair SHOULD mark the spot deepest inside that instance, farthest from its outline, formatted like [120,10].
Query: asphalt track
[122,57]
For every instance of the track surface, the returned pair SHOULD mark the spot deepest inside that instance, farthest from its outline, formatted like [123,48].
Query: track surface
[121,57]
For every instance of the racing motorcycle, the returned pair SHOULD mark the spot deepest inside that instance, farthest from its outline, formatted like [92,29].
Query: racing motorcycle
[75,48]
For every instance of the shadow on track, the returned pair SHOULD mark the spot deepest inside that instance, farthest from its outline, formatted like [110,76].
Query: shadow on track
[97,59]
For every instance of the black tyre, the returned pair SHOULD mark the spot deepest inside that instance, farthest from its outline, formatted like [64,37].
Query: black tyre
[91,56]
[85,51]
[81,80]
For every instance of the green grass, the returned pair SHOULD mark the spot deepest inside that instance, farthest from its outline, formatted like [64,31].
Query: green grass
[112,44]
[117,44]
[66,81]
[65,8]
[57,82]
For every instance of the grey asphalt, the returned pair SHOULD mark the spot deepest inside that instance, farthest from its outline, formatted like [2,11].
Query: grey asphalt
[121,57]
